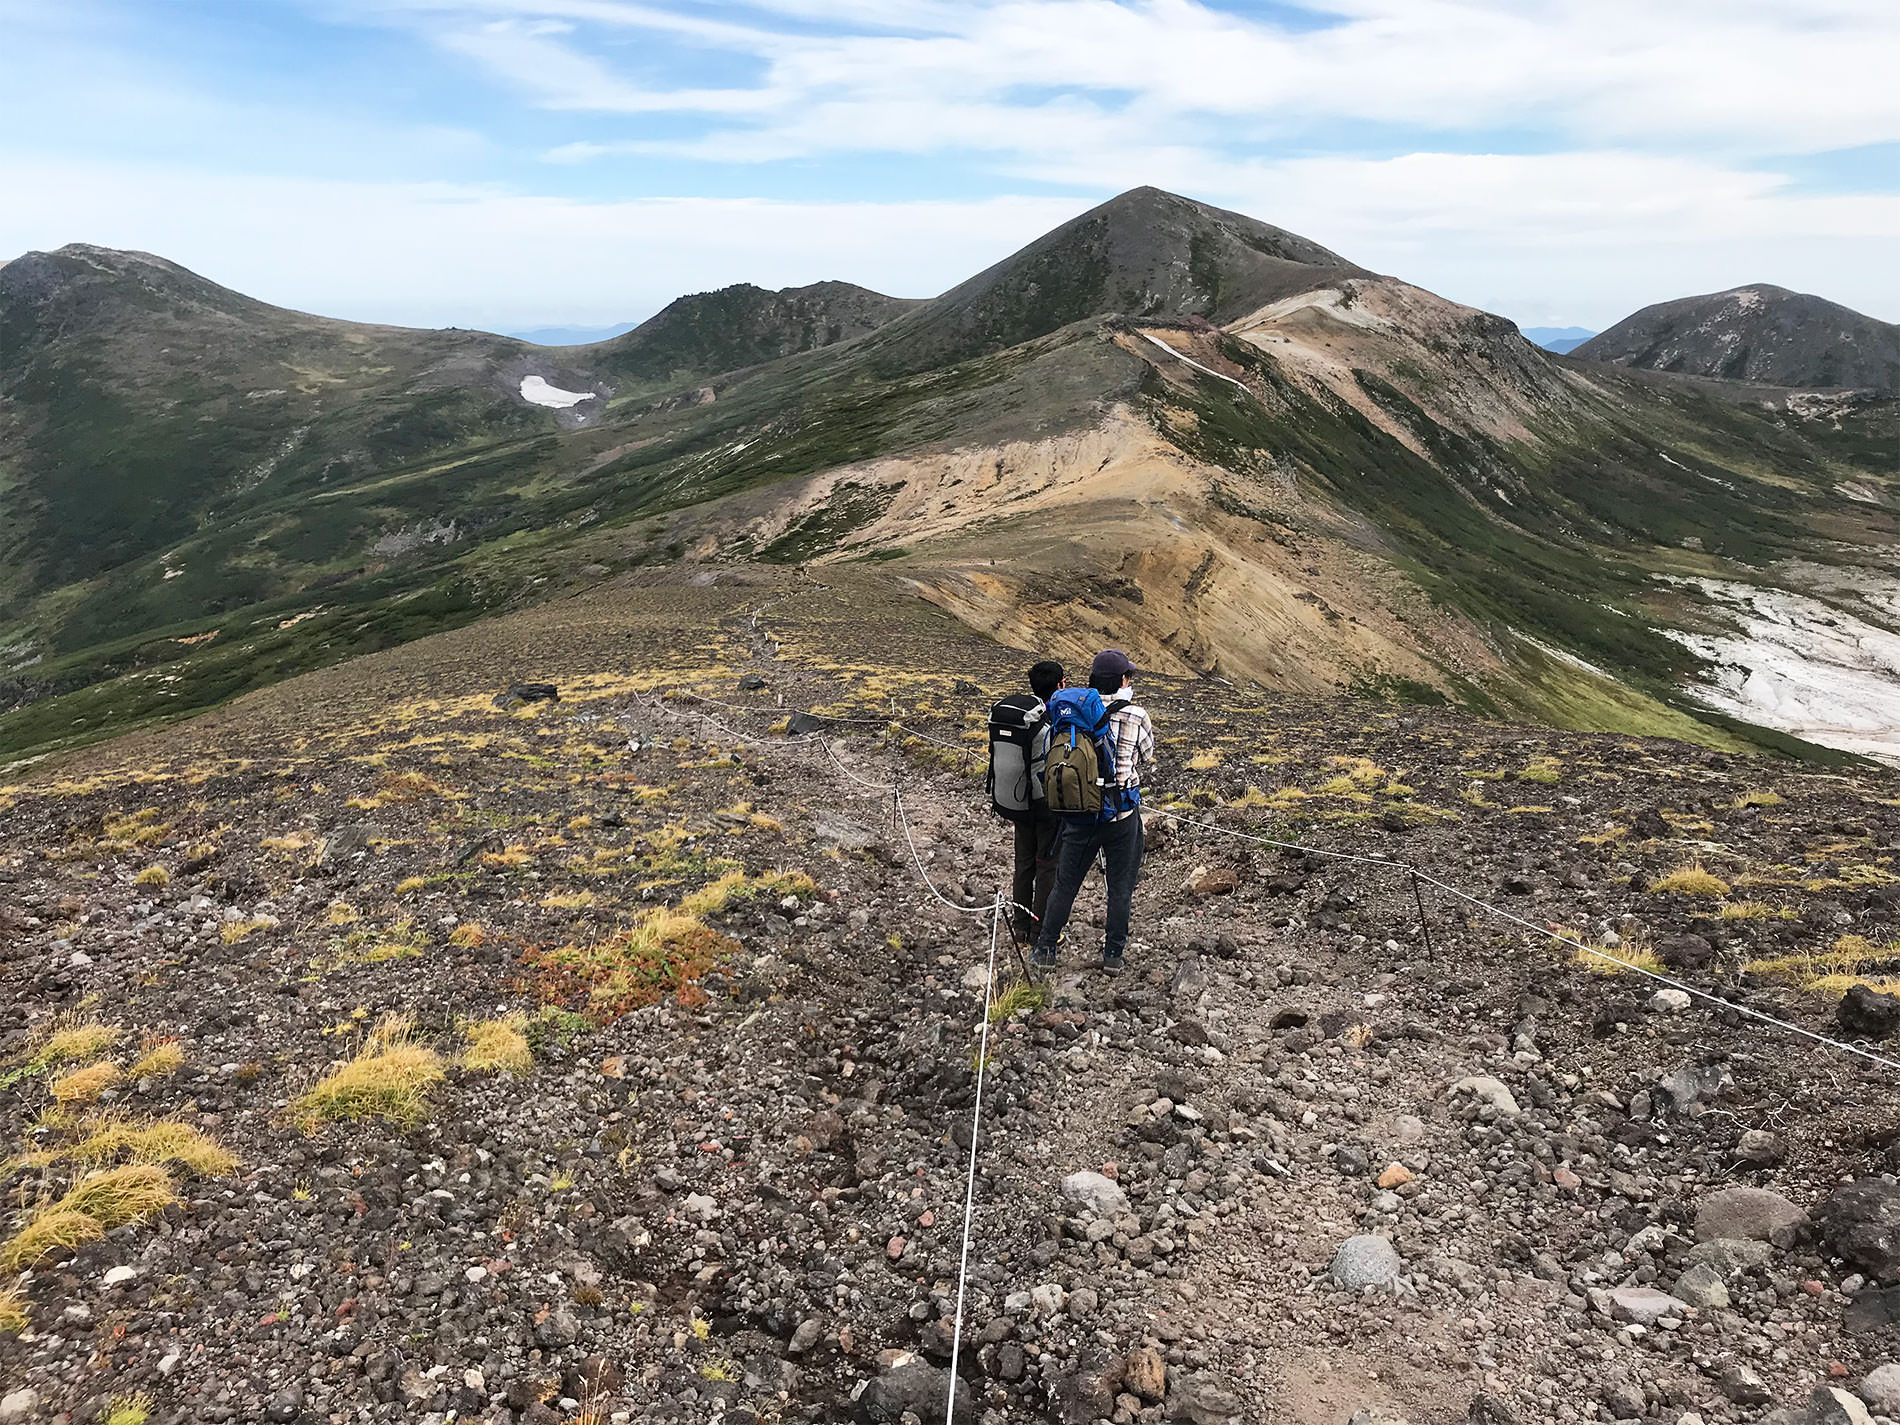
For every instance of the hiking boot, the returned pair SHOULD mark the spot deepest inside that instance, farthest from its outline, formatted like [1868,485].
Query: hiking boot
[1042,959]
[1111,964]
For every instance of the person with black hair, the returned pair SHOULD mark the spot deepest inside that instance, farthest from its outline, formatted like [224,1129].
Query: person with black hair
[1019,739]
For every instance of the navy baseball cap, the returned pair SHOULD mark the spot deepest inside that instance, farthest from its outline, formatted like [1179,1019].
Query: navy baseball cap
[1111,665]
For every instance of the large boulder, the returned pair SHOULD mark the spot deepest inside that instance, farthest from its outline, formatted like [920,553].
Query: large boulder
[1366,1261]
[1755,1214]
[1095,1193]
[1867,1013]
[1881,1389]
[1205,1399]
[1860,1222]
[915,1388]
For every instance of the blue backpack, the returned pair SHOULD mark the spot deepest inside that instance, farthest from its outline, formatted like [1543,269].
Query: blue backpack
[1078,777]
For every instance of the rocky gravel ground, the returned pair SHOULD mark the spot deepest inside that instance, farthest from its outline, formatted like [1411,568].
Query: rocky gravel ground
[377,1048]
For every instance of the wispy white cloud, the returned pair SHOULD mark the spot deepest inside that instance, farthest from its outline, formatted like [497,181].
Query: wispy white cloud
[1722,74]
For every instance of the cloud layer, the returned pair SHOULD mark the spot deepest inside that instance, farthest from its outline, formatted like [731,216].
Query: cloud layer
[586,160]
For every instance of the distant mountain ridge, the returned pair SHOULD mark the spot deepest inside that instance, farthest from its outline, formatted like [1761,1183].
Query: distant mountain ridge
[1558,339]
[1225,446]
[571,336]
[1759,333]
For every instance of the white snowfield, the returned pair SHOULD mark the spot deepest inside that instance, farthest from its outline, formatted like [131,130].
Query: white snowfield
[1804,667]
[537,390]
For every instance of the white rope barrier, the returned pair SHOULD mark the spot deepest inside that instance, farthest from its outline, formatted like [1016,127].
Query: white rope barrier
[976,1130]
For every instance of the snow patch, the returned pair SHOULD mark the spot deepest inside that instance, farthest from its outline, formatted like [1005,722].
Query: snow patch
[537,390]
[1801,666]
[1562,655]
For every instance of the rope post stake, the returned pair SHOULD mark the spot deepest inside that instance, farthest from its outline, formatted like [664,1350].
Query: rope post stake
[976,1128]
[1424,924]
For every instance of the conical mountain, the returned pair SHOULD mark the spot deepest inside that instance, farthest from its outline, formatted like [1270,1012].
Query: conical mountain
[1758,333]
[1147,253]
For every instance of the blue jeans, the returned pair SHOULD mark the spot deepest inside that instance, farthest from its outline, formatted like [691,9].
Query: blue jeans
[1121,845]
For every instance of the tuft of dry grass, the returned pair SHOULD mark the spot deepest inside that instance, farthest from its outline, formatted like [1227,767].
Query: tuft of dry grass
[153,876]
[13,1314]
[75,1042]
[390,1079]
[1632,954]
[162,1058]
[78,1086]
[1755,910]
[1851,960]
[1692,881]
[468,935]
[1544,770]
[117,1196]
[1756,799]
[499,1044]
[232,931]
[50,1231]
[129,1409]
[111,1138]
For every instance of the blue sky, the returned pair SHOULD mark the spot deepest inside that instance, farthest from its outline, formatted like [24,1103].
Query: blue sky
[509,163]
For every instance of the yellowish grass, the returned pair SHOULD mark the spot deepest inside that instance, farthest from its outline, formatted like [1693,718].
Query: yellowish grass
[1851,960]
[411,883]
[1755,910]
[1692,881]
[1601,959]
[106,1139]
[129,1409]
[1756,799]
[389,1079]
[1206,760]
[76,1042]
[341,913]
[161,1059]
[509,858]
[468,935]
[296,841]
[13,1315]
[1541,769]
[153,876]
[233,931]
[499,1044]
[116,1196]
[79,1086]
[48,1232]
[141,828]
[569,900]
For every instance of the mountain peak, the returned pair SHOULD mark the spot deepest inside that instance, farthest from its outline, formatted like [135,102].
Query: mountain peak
[1757,332]
[1145,253]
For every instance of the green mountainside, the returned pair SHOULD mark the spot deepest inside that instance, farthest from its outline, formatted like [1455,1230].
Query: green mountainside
[200,493]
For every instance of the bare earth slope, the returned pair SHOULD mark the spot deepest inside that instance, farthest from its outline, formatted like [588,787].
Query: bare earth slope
[722,1175]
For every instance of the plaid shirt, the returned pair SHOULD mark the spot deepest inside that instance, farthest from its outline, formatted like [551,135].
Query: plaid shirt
[1134,737]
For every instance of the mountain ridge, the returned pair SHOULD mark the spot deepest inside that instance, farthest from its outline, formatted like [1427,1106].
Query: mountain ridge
[1319,477]
[1760,333]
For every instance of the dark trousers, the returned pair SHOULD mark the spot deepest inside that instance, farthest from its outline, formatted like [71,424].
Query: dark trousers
[1036,837]
[1120,842]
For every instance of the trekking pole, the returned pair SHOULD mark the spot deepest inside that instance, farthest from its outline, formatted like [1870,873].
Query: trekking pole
[1424,925]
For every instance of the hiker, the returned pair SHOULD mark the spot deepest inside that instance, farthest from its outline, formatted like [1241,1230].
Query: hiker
[1019,740]
[1098,738]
